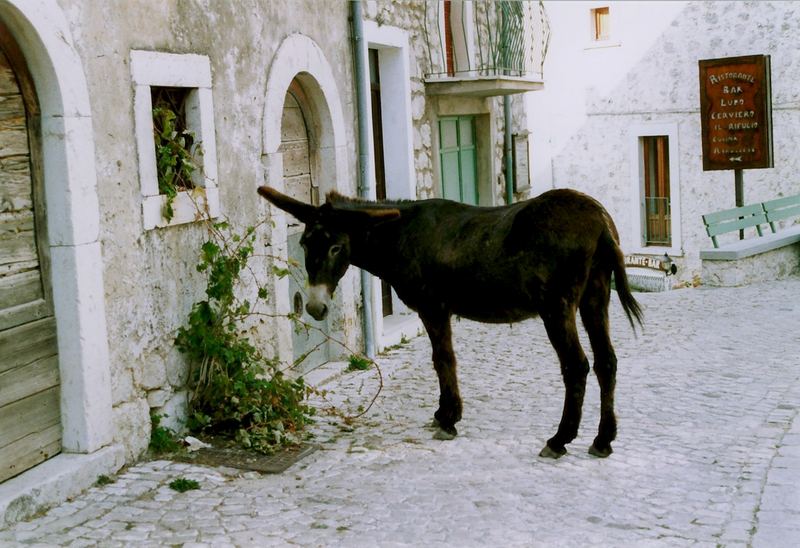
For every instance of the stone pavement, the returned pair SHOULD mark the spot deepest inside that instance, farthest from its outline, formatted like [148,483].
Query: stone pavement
[708,451]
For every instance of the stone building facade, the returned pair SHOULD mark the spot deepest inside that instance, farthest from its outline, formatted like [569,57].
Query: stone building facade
[639,81]
[270,93]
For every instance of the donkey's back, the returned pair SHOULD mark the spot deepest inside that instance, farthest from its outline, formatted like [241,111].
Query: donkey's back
[499,264]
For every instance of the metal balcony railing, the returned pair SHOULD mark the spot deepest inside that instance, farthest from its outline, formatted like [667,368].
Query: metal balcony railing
[485,39]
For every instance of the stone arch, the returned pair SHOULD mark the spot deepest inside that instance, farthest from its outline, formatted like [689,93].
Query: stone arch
[73,217]
[300,59]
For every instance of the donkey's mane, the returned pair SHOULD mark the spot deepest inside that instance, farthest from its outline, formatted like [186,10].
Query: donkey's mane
[334,198]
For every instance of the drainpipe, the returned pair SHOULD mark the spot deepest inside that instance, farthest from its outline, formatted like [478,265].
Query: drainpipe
[507,153]
[363,163]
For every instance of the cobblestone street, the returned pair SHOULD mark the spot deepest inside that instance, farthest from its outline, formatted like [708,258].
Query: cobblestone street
[708,450]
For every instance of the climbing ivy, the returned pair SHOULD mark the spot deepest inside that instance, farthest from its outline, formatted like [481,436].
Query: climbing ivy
[236,390]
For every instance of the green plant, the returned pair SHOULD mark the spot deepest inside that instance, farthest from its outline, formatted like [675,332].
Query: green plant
[102,480]
[358,363]
[181,485]
[162,439]
[236,390]
[174,149]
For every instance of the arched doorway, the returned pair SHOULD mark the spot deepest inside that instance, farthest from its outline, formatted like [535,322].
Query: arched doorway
[310,347]
[299,69]
[30,416]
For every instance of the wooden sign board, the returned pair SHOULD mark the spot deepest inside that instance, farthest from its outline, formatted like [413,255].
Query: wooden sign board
[736,112]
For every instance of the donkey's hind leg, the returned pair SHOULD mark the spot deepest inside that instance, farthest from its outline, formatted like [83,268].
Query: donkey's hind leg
[562,331]
[594,313]
[444,361]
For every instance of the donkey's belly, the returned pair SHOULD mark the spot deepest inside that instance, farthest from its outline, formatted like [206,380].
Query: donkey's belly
[501,316]
[494,308]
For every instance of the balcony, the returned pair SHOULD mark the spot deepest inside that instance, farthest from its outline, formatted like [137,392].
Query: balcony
[484,48]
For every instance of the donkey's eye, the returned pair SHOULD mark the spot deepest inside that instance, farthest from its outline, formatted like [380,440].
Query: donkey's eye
[334,250]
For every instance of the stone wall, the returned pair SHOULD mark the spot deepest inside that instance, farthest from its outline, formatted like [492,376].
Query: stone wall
[777,264]
[150,278]
[409,15]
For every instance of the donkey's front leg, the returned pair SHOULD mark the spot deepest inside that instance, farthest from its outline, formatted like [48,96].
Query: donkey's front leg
[444,361]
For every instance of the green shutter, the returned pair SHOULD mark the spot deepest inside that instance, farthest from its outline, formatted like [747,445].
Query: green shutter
[458,158]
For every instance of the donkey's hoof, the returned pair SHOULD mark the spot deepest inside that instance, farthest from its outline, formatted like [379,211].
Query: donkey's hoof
[434,424]
[550,453]
[445,434]
[601,452]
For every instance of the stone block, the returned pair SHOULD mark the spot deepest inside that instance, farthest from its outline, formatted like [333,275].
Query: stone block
[132,427]
[174,412]
[152,372]
[158,398]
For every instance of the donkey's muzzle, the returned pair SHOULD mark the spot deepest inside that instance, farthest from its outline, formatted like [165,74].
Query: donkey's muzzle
[318,311]
[318,297]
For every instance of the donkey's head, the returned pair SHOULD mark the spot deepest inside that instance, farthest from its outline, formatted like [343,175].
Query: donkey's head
[326,241]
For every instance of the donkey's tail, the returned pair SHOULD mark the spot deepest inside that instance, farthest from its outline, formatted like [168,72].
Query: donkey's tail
[629,304]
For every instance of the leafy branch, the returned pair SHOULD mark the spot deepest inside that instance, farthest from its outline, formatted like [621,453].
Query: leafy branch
[236,391]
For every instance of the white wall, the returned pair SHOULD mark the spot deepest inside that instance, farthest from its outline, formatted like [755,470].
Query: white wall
[594,100]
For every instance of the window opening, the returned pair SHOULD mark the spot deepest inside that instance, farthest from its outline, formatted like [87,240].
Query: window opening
[448,39]
[601,19]
[175,144]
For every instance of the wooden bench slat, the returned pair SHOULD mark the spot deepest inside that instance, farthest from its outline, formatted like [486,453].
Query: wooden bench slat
[778,203]
[734,213]
[783,213]
[735,224]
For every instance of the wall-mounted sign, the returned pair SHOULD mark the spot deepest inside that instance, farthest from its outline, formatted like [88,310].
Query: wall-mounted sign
[736,112]
[663,263]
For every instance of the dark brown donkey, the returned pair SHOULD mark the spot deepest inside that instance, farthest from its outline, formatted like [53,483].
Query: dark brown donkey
[549,256]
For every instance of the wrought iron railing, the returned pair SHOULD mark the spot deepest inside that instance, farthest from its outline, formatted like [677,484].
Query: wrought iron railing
[485,38]
[658,221]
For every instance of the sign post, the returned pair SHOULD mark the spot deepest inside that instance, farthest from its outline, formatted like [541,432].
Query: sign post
[736,116]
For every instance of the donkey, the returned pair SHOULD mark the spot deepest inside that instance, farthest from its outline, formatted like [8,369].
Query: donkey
[551,256]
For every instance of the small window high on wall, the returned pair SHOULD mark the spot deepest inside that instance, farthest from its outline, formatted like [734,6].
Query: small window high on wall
[601,24]
[656,197]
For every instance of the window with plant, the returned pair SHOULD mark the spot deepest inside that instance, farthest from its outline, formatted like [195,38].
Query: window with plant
[177,153]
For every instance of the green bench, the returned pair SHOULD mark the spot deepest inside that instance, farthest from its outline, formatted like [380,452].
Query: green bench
[781,209]
[768,213]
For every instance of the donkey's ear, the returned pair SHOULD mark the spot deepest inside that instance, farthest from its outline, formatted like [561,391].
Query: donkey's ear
[381,215]
[303,212]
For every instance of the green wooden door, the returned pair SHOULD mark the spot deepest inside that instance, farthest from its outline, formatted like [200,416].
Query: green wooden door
[458,159]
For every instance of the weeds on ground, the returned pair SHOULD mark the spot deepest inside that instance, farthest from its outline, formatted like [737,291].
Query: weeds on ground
[181,485]
[162,439]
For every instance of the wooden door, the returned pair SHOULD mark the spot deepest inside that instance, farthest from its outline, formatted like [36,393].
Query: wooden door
[309,337]
[30,417]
